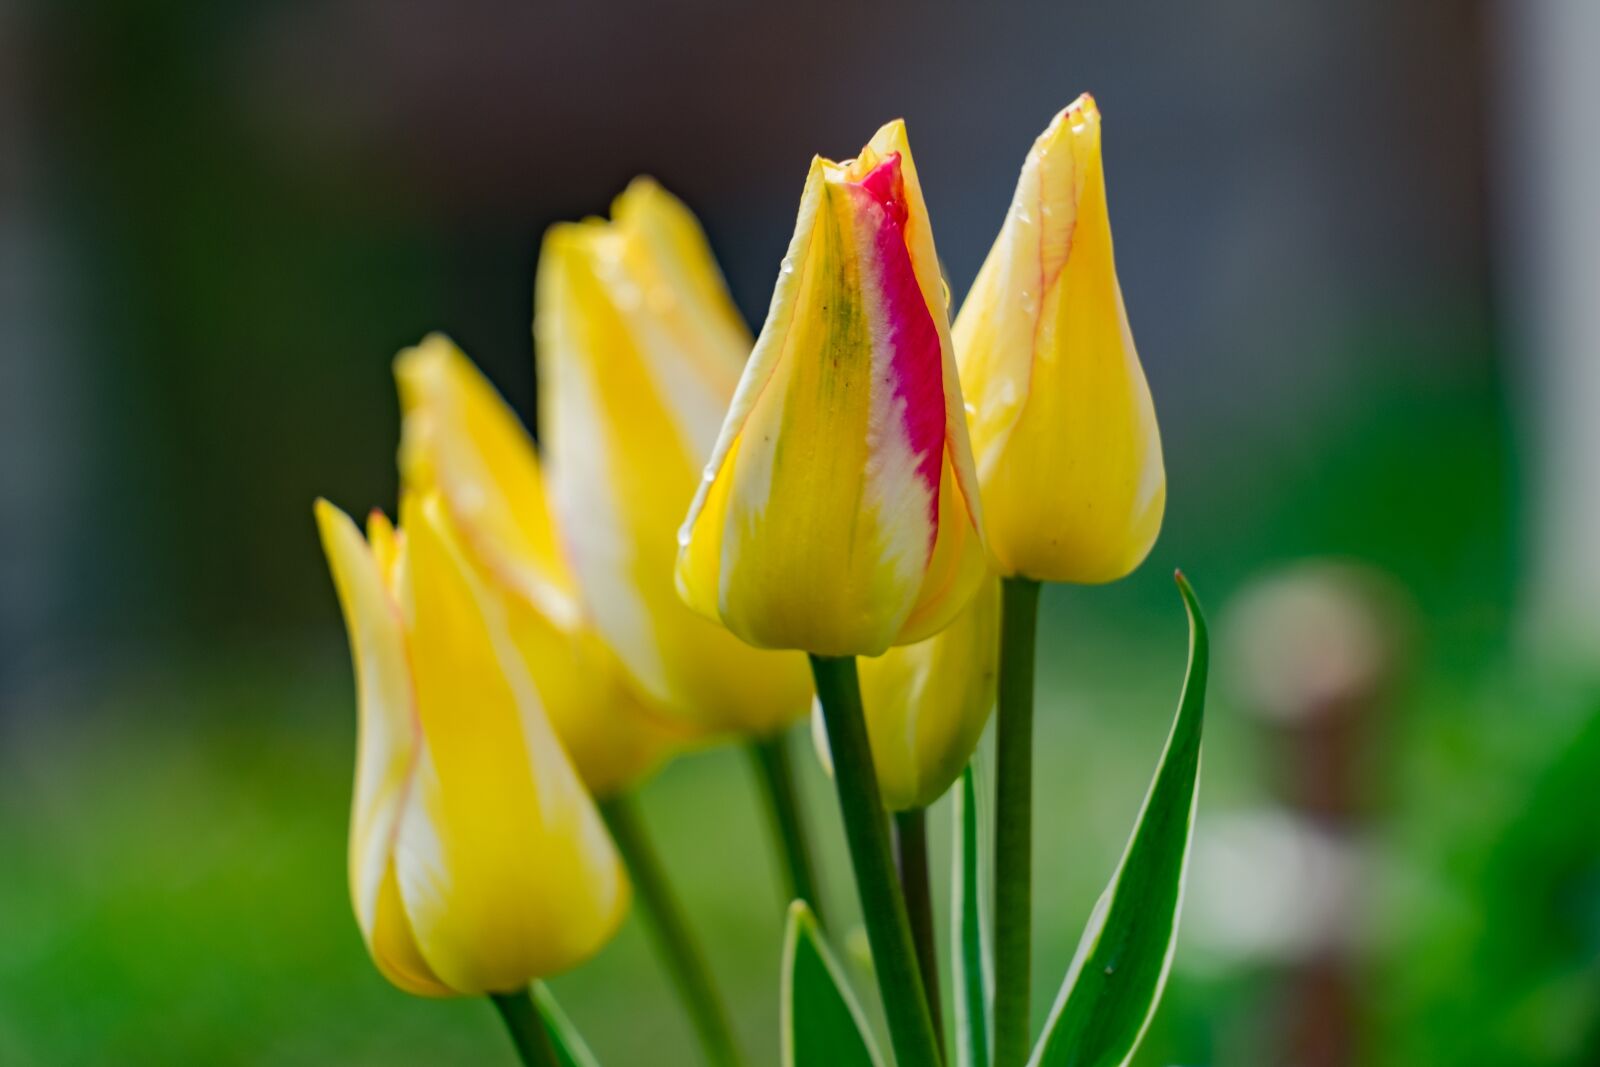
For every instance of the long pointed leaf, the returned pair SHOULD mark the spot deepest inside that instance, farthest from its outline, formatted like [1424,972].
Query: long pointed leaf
[571,1051]
[822,1024]
[1115,981]
[970,960]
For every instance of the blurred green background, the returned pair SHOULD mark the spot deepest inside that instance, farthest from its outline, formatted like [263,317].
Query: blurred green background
[1358,244]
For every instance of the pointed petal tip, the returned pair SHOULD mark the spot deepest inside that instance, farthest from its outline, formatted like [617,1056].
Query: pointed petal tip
[410,363]
[328,515]
[379,526]
[892,132]
[1074,126]
[638,192]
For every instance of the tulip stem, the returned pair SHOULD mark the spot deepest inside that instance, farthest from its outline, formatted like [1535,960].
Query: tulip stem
[666,920]
[776,776]
[527,1029]
[866,831]
[1013,822]
[911,854]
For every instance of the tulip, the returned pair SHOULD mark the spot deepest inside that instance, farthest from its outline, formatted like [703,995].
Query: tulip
[1069,458]
[927,704]
[839,512]
[477,861]
[460,439]
[639,351]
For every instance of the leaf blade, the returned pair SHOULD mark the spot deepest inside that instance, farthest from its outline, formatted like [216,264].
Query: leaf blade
[1114,984]
[822,1025]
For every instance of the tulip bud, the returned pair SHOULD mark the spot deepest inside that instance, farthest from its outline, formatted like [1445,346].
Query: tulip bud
[926,704]
[477,860]
[1069,458]
[639,351]
[839,512]
[460,439]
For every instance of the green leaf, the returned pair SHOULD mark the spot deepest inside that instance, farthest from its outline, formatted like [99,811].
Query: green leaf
[571,1051]
[1115,981]
[971,958]
[822,1024]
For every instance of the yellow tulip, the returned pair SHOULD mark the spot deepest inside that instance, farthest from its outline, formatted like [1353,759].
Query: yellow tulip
[839,514]
[477,860]
[460,438]
[639,351]
[926,704]
[1069,457]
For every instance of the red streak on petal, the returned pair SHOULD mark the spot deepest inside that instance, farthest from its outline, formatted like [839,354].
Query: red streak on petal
[917,360]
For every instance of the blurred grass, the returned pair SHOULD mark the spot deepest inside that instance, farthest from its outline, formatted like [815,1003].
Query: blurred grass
[174,855]
[175,889]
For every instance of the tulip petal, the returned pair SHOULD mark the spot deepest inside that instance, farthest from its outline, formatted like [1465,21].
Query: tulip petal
[1062,421]
[389,746]
[892,139]
[504,865]
[827,501]
[639,350]
[462,439]
[614,738]
[664,252]
[928,703]
[460,433]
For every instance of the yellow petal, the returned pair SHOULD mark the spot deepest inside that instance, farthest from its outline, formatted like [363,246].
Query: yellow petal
[664,252]
[1069,456]
[927,704]
[639,350]
[385,542]
[461,439]
[388,748]
[839,517]
[505,868]
[459,432]
[613,736]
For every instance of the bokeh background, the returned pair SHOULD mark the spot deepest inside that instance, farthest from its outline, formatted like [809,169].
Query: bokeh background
[1360,247]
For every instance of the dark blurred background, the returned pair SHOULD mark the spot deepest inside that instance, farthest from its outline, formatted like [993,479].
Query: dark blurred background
[1358,244]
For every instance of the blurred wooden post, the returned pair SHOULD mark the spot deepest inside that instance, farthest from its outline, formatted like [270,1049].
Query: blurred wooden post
[1319,648]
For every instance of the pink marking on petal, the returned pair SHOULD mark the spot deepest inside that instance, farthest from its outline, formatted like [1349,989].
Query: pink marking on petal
[917,360]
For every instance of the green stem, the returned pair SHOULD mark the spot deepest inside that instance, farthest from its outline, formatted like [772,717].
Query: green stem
[667,921]
[911,854]
[771,759]
[866,831]
[527,1030]
[1013,822]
